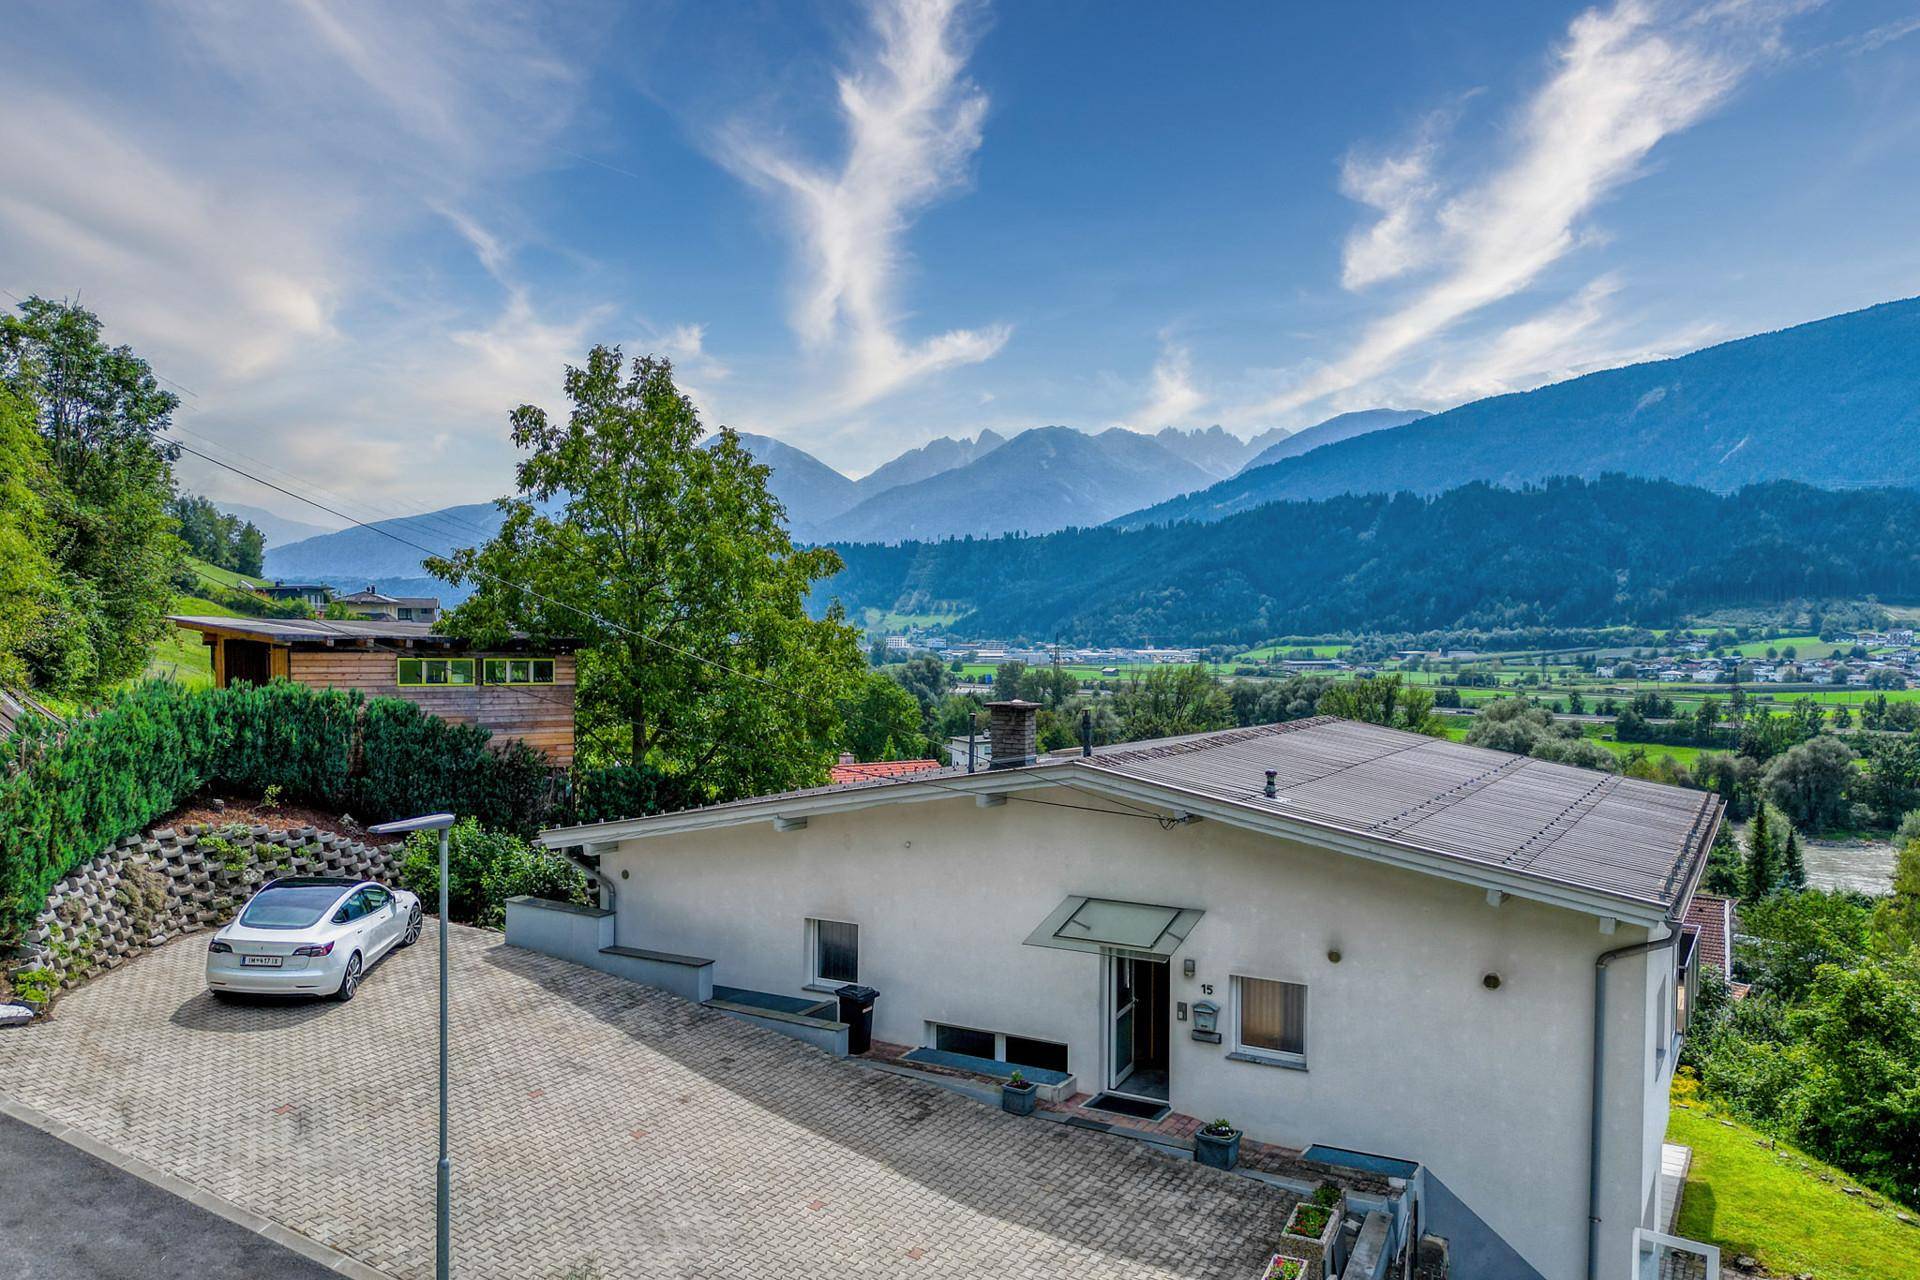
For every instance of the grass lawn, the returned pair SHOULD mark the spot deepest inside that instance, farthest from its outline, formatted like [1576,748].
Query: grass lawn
[225,577]
[179,655]
[1772,1204]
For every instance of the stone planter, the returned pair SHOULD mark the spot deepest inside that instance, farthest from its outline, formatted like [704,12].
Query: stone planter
[1284,1266]
[1315,1249]
[1019,1099]
[1217,1151]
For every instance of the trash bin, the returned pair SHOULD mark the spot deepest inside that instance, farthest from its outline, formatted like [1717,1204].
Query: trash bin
[856,1010]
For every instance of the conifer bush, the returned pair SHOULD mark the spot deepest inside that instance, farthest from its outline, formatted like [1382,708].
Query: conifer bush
[68,791]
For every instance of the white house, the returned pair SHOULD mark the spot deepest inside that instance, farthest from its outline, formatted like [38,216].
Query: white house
[1329,932]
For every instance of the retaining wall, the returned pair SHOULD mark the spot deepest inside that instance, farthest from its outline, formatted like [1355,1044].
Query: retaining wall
[147,888]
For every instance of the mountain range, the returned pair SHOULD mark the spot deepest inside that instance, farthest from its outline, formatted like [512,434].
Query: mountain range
[1568,553]
[1333,430]
[1055,477]
[1041,480]
[276,529]
[1834,402]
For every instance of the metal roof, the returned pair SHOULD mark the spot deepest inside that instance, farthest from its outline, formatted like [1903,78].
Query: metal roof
[1490,815]
[1621,836]
[343,630]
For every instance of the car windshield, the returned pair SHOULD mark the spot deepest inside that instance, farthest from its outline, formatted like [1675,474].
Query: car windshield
[290,907]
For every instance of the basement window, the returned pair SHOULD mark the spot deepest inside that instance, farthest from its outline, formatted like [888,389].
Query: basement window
[423,672]
[1015,1051]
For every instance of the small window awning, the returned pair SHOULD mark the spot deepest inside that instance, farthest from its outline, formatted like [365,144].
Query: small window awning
[1110,927]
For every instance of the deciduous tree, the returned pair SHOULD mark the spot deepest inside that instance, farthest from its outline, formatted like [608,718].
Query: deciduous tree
[668,559]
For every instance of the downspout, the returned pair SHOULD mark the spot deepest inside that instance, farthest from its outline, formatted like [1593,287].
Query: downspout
[1599,1079]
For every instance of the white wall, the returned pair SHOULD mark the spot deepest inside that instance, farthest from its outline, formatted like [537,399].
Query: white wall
[1408,1053]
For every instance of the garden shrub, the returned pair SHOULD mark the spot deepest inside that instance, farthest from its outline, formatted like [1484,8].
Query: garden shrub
[485,867]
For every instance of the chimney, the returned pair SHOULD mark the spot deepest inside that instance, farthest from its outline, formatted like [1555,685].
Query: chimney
[1272,774]
[846,757]
[1010,733]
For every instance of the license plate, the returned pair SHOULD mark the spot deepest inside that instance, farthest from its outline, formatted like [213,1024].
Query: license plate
[260,962]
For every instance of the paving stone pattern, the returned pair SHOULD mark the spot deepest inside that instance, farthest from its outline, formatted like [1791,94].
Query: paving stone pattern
[146,889]
[603,1129]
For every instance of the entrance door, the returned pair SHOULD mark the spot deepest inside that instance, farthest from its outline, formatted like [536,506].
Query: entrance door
[1137,1008]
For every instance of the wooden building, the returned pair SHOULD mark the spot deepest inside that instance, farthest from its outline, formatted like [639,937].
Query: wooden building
[517,690]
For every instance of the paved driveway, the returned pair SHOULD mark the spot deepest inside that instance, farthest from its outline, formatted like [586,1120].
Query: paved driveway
[603,1130]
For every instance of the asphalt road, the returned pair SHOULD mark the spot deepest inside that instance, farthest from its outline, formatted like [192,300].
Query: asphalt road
[64,1215]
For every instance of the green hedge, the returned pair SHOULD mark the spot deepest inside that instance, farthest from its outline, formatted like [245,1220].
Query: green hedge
[67,792]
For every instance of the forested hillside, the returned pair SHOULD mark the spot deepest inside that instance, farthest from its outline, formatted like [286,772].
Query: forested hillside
[1566,553]
[1829,403]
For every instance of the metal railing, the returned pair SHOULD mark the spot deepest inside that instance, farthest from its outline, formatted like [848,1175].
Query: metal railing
[1658,1256]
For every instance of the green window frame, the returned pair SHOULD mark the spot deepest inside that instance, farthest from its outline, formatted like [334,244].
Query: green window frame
[433,673]
[518,670]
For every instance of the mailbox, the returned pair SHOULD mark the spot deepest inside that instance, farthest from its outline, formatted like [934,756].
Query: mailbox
[1206,1021]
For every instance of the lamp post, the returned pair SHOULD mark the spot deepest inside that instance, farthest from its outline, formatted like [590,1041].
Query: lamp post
[443,1173]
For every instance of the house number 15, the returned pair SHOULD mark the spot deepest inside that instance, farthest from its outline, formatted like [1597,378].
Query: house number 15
[1206,988]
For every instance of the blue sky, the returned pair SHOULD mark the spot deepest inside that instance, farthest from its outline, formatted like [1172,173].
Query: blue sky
[358,234]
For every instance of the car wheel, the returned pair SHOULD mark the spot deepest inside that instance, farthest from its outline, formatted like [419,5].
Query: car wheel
[350,980]
[412,934]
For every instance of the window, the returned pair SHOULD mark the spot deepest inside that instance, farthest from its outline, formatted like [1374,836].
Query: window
[1015,1051]
[836,952]
[289,906]
[1272,1019]
[975,1044]
[352,909]
[406,614]
[434,671]
[519,670]
[1045,1054]
[376,898]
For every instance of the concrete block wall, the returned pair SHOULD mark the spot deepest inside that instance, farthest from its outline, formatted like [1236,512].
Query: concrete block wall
[148,888]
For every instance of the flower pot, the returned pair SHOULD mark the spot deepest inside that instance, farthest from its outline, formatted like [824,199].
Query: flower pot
[1019,1099]
[1217,1151]
[1283,1266]
[1316,1248]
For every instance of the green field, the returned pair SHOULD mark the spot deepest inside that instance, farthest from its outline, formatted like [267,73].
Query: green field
[1287,648]
[1750,1195]
[226,577]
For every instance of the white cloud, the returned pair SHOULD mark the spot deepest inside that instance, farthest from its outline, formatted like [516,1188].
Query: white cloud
[1401,187]
[265,211]
[913,123]
[1546,347]
[1172,398]
[1623,80]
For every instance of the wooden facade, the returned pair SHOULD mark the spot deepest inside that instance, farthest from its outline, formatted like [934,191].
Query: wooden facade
[367,656]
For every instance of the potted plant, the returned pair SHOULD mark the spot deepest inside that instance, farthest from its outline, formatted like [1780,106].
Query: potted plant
[1281,1267]
[1217,1145]
[1018,1095]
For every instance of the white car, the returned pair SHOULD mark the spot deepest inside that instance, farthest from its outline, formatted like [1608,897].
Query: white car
[310,936]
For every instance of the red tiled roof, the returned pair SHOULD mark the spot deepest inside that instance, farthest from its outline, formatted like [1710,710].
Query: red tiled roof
[1711,917]
[872,769]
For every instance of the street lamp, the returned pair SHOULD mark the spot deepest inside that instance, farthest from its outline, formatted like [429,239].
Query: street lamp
[443,1175]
